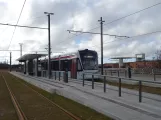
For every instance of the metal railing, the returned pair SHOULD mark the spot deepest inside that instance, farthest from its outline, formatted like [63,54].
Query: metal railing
[135,70]
[124,72]
[56,74]
[120,80]
[63,75]
[146,71]
[60,75]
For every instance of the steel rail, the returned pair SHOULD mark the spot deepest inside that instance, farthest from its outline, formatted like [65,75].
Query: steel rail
[18,109]
[53,103]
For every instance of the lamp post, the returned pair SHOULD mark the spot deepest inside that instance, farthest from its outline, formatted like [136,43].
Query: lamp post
[49,67]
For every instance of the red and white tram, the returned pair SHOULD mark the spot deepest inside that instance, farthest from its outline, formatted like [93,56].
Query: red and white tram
[76,63]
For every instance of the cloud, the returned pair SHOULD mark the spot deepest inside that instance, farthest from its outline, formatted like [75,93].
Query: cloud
[84,15]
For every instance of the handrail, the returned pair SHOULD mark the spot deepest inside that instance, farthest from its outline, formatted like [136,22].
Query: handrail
[65,75]
[136,70]
[132,79]
[58,71]
[120,79]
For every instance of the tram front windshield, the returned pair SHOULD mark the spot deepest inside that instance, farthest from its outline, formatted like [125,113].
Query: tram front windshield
[89,60]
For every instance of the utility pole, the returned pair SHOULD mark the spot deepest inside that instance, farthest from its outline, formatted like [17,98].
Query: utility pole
[21,49]
[49,67]
[101,23]
[88,32]
[21,55]
[10,61]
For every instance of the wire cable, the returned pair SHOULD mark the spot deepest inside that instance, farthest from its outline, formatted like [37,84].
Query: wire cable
[133,13]
[145,34]
[113,21]
[17,23]
[121,18]
[27,19]
[22,26]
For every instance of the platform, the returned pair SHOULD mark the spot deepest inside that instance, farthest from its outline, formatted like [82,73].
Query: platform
[126,107]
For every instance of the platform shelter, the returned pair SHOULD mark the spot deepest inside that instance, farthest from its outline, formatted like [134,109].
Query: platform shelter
[31,63]
[121,62]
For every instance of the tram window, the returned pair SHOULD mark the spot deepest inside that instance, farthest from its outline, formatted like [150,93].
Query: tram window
[89,60]
[52,65]
[56,65]
[65,65]
[43,65]
[46,65]
[79,68]
[69,64]
[61,65]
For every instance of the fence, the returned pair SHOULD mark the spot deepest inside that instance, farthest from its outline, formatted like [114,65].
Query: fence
[56,74]
[134,70]
[120,79]
[116,72]
[64,76]
[124,72]
[60,75]
[146,71]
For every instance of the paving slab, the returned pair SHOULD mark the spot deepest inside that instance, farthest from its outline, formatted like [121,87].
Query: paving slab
[126,107]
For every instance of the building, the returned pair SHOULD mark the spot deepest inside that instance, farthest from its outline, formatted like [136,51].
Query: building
[111,65]
[145,64]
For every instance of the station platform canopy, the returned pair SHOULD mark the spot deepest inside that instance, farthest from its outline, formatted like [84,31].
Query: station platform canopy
[122,57]
[121,60]
[30,57]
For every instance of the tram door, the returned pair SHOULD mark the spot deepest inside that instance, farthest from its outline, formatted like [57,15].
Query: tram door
[74,68]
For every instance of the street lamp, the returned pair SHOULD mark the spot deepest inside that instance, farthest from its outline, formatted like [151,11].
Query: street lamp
[49,67]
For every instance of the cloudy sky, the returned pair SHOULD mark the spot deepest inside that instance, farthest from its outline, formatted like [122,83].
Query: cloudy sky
[81,15]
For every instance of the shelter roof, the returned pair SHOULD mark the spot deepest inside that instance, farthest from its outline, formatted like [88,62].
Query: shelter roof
[30,57]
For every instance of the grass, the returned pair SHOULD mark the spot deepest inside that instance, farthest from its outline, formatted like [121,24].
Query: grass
[7,110]
[81,111]
[34,107]
[148,89]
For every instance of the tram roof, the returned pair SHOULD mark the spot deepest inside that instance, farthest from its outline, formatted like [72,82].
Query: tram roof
[65,55]
[70,53]
[30,57]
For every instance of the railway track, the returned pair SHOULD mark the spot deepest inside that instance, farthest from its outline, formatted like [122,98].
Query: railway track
[16,105]
[21,108]
[7,110]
